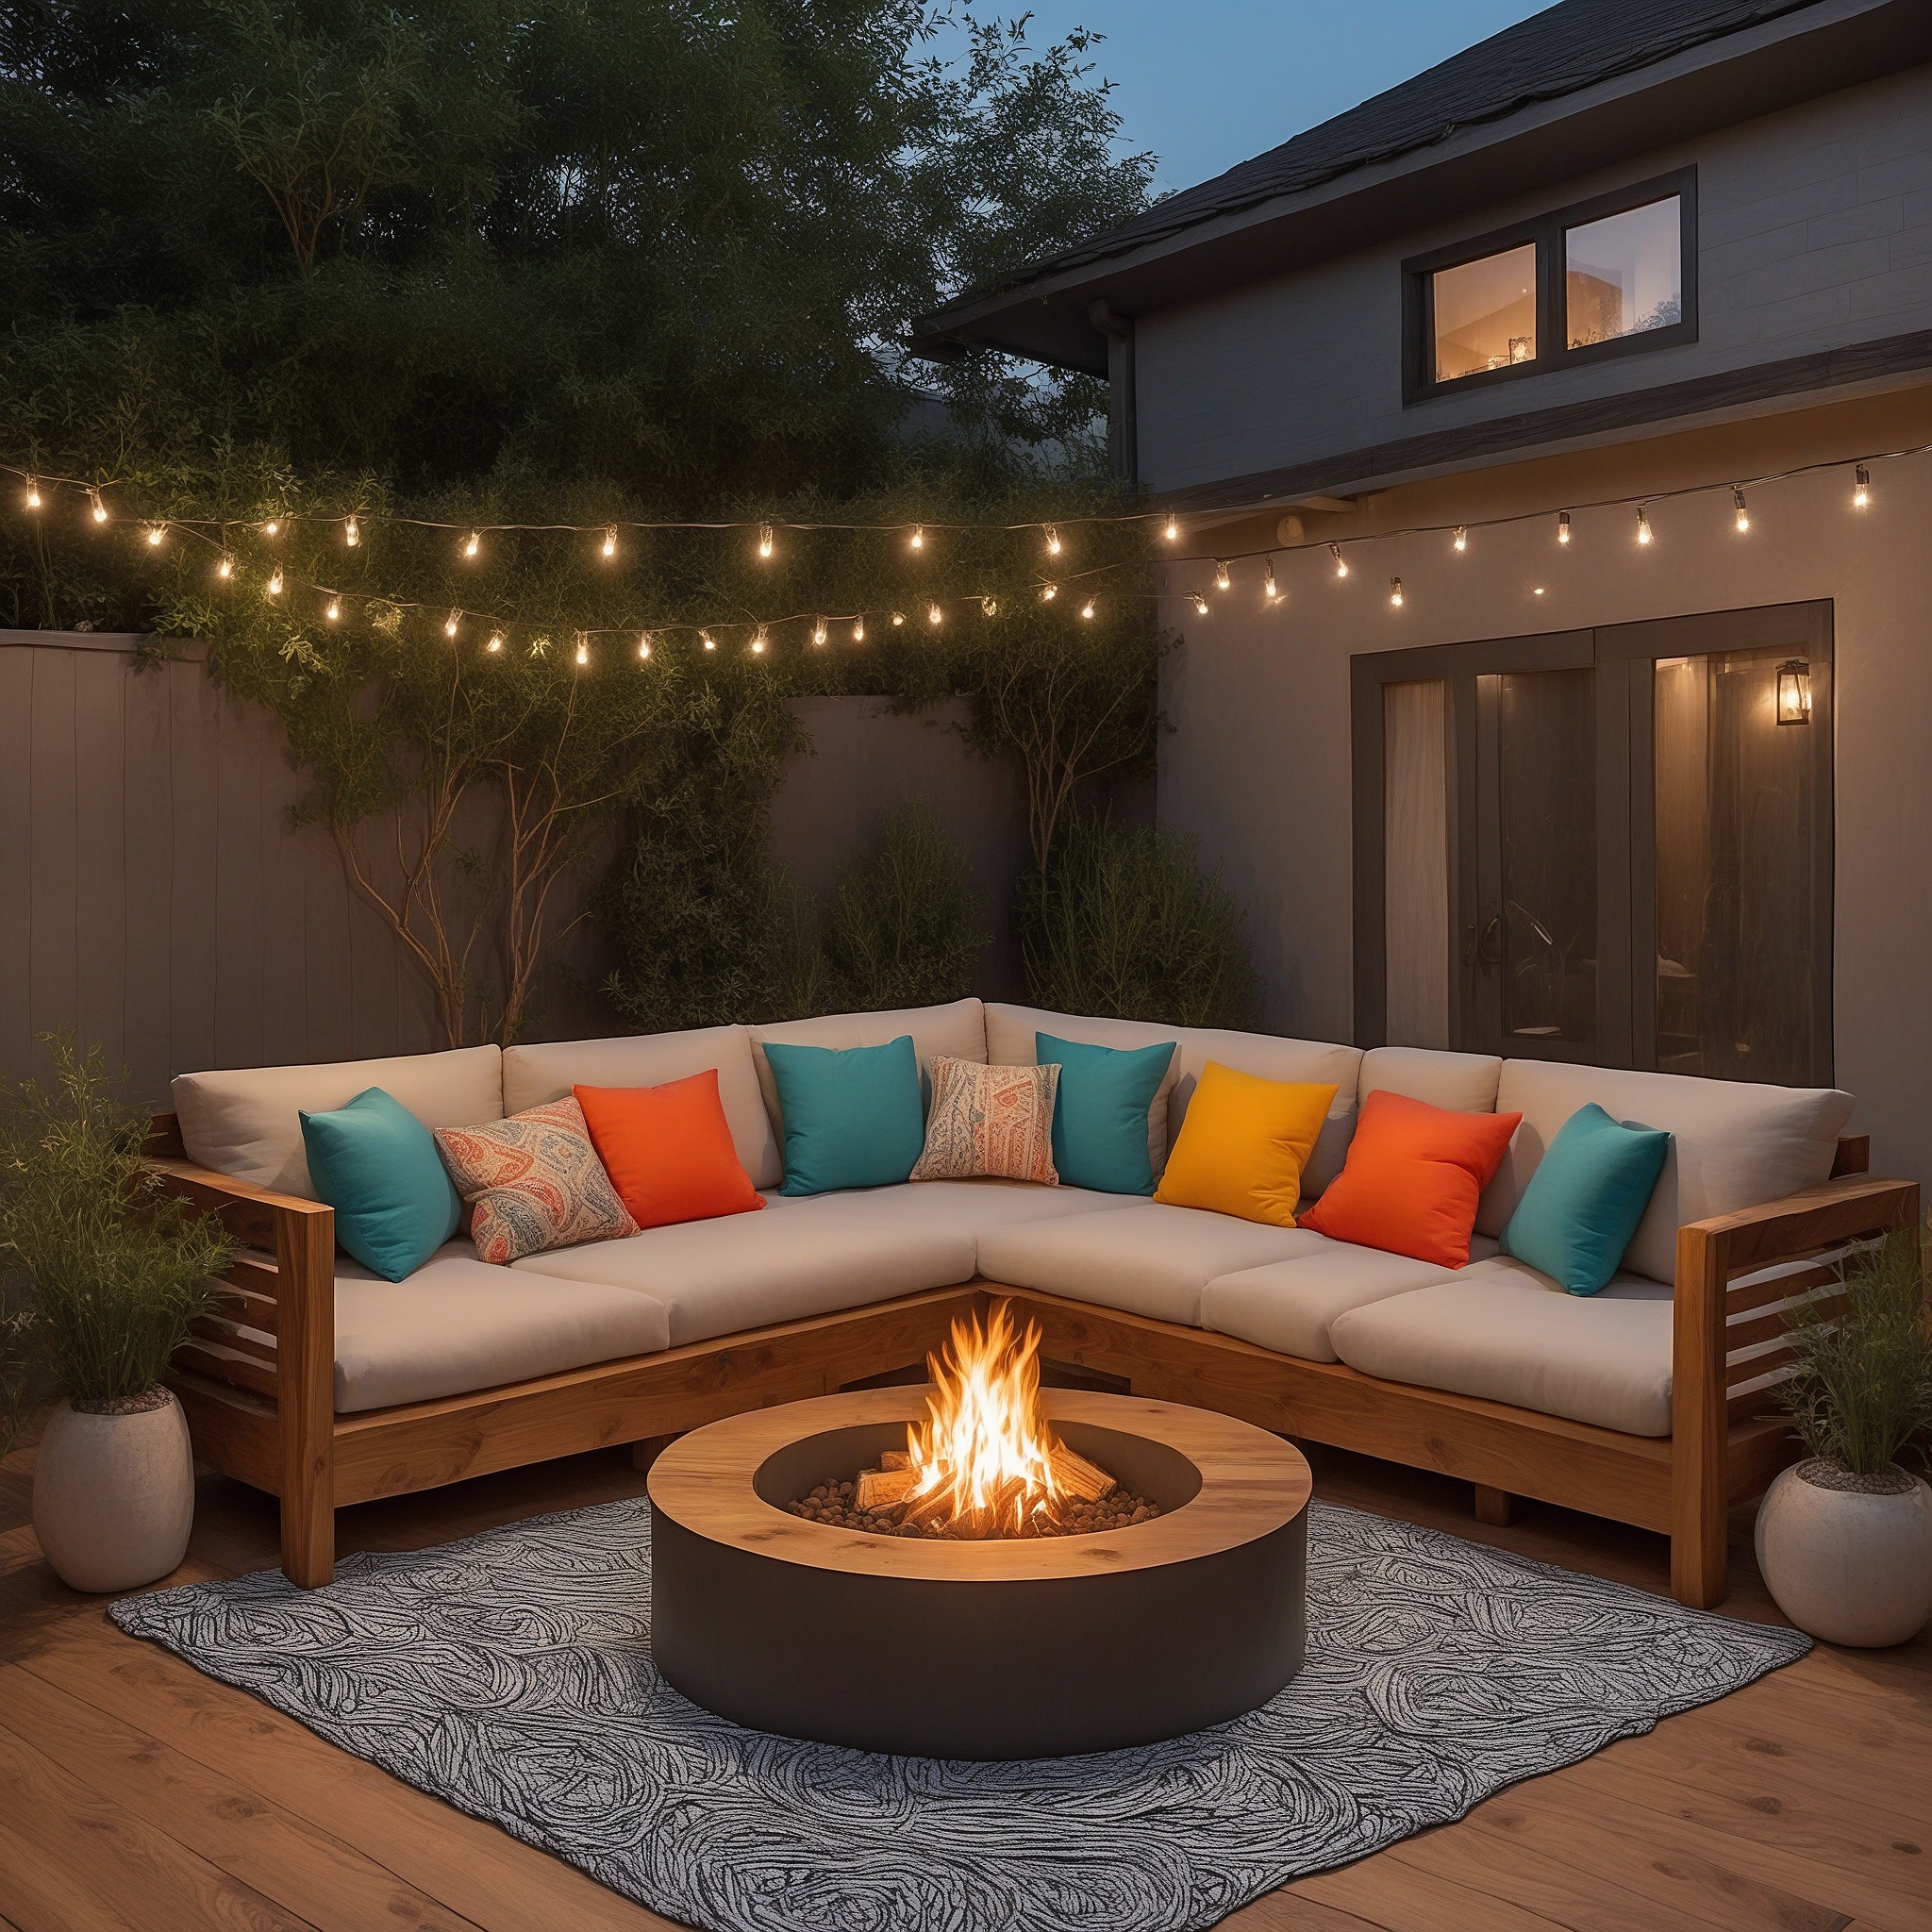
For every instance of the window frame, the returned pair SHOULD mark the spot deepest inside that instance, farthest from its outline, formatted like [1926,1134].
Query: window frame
[1546,232]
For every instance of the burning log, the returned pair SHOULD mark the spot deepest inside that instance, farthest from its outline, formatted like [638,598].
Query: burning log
[895,1459]
[878,1488]
[1073,1475]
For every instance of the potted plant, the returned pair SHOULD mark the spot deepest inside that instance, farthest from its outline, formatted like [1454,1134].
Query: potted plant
[1844,1538]
[115,1272]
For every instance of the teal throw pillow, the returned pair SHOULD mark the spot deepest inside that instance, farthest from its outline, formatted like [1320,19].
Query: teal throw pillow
[1585,1199]
[377,1165]
[1100,1118]
[852,1116]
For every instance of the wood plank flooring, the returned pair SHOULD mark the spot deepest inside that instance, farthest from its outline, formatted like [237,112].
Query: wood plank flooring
[137,1795]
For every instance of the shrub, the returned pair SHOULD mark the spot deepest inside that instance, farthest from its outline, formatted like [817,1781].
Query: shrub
[1862,1390]
[1124,924]
[117,1269]
[904,929]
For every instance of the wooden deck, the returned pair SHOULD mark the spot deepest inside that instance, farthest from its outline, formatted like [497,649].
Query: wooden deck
[136,1793]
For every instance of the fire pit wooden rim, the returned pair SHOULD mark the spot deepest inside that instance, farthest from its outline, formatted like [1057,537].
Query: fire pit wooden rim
[1251,1483]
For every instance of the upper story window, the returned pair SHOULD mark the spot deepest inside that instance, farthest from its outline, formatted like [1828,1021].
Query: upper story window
[1602,277]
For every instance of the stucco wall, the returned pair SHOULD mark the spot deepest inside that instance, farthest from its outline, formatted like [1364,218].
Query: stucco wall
[1815,230]
[1258,763]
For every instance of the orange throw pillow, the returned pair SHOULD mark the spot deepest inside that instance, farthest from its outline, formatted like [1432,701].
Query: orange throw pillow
[1413,1178]
[668,1150]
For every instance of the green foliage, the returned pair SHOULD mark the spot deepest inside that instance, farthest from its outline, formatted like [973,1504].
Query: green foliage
[1860,1392]
[16,1360]
[904,929]
[117,1270]
[1124,924]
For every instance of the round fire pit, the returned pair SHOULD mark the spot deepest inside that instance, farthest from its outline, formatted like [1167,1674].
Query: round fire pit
[1024,1648]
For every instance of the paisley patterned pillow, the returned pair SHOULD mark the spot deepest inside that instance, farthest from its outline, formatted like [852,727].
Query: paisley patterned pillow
[535,1181]
[989,1121]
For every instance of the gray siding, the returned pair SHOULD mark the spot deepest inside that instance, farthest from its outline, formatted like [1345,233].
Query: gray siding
[1815,231]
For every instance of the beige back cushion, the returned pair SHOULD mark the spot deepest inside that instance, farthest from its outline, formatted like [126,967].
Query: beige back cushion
[1009,1032]
[1732,1145]
[534,1075]
[1459,1082]
[958,1030]
[247,1121]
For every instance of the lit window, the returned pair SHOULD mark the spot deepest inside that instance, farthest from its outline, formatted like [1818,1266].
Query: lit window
[1485,313]
[1625,275]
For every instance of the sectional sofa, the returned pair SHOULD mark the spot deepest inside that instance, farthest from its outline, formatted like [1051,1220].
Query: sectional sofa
[325,1386]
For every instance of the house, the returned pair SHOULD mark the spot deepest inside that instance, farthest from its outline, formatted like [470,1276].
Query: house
[1545,437]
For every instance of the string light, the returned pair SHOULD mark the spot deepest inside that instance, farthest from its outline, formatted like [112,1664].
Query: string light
[918,537]
[765,541]
[818,631]
[1270,589]
[352,533]
[1744,514]
[472,546]
[1562,526]
[1200,604]
[644,648]
[33,495]
[934,615]
[1462,537]
[335,609]
[226,567]
[990,606]
[154,533]
[1340,561]
[495,642]
[706,638]
[1221,579]
[858,630]
[274,581]
[1172,531]
[1643,524]
[1861,494]
[1053,541]
[609,544]
[1048,592]
[100,509]
[758,642]
[272,527]
[449,630]
[898,618]
[1395,592]
[583,650]
[1086,608]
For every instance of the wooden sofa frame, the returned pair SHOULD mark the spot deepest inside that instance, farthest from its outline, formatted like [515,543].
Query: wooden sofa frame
[263,1409]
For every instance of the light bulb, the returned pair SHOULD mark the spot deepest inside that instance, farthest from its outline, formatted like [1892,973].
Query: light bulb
[1200,604]
[449,628]
[495,642]
[1643,524]
[934,615]
[33,495]
[272,527]
[1053,541]
[154,533]
[1048,592]
[644,648]
[1861,494]
[1270,589]
[1086,608]
[274,581]
[226,567]
[898,618]
[352,533]
[1562,526]
[1744,514]
[335,609]
[1395,592]
[472,544]
[1340,561]
[990,606]
[609,545]
[765,541]
[858,630]
[758,642]
[818,631]
[1462,537]
[100,509]
[1172,530]
[1221,576]
[706,638]
[583,650]
[918,536]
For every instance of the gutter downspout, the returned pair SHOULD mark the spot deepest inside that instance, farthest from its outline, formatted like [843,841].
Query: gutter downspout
[1122,424]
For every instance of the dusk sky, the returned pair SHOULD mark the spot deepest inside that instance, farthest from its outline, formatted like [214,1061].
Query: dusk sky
[1208,83]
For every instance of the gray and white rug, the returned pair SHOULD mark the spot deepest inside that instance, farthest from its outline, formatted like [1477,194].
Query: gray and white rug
[511,1676]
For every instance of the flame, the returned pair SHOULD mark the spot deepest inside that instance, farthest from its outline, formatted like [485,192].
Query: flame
[984,1453]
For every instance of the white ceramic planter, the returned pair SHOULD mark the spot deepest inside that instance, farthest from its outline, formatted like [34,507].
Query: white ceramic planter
[114,1495]
[1845,1566]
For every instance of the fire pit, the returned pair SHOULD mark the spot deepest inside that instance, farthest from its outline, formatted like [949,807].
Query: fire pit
[1005,1634]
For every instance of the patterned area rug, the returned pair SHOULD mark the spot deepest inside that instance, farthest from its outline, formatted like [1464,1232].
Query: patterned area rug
[511,1676]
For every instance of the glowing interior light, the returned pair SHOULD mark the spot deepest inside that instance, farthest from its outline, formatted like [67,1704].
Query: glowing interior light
[1643,524]
[449,630]
[898,618]
[706,638]
[934,615]
[1340,561]
[758,642]
[495,642]
[645,646]
[472,544]
[918,540]
[990,606]
[1744,514]
[1462,537]
[1048,592]
[1200,604]
[765,541]
[100,509]
[274,581]
[226,567]
[1861,493]
[583,650]
[1086,608]
[1053,541]
[1395,592]
[352,533]
[609,545]
[818,631]
[1270,589]
[1221,575]
[272,527]
[335,609]
[33,495]
[154,533]
[1562,526]
[858,630]
[1172,530]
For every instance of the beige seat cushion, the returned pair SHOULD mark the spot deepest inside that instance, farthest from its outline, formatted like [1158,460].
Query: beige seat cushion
[958,1030]
[1148,1259]
[745,1271]
[1732,1144]
[534,1075]
[1502,1331]
[969,1209]
[1287,1306]
[458,1324]
[247,1121]
[1009,1041]
[1462,1082]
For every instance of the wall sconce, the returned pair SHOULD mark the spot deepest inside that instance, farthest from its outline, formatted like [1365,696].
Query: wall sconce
[1795,692]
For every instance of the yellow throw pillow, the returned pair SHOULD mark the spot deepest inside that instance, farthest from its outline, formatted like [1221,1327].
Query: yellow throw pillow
[1243,1145]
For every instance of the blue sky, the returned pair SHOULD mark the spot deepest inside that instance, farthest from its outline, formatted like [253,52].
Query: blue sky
[1208,83]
